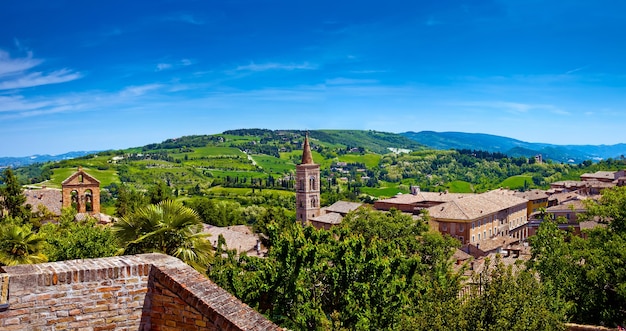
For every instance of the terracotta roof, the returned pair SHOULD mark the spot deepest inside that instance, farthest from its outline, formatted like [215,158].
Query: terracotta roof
[307,158]
[569,183]
[50,198]
[330,218]
[577,204]
[460,255]
[475,206]
[566,196]
[343,207]
[590,225]
[532,195]
[600,175]
[238,237]
[425,196]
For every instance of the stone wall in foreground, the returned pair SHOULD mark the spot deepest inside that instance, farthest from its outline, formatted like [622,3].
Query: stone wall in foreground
[139,292]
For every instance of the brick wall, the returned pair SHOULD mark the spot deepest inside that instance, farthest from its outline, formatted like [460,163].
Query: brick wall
[140,292]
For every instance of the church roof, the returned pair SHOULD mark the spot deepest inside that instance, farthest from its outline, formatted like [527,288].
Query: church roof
[307,158]
[87,177]
[330,218]
[343,207]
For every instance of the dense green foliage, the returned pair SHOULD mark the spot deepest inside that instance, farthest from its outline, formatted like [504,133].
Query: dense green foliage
[70,239]
[377,271]
[589,273]
[19,244]
[167,227]
[512,300]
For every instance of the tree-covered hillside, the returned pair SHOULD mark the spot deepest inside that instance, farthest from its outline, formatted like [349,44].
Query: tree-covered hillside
[239,165]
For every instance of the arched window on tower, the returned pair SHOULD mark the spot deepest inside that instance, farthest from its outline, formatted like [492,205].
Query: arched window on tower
[88,200]
[302,188]
[74,199]
[313,202]
[80,178]
[312,183]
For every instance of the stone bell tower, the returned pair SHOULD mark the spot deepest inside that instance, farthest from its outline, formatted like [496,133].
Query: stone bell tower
[82,192]
[307,186]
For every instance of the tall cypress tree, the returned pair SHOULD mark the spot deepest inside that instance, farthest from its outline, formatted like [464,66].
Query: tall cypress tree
[13,197]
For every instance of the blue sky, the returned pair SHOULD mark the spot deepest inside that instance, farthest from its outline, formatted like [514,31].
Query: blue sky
[93,75]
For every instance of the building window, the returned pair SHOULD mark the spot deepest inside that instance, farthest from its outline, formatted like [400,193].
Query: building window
[485,234]
[473,239]
[462,239]
[444,227]
[489,232]
[479,237]
[461,227]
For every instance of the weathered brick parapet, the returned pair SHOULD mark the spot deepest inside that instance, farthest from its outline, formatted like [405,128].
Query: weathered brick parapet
[139,292]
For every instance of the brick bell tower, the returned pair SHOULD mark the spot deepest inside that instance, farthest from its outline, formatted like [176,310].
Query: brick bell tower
[307,186]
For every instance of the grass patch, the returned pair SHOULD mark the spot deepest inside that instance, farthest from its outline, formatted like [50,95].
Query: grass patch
[210,151]
[382,192]
[273,164]
[370,160]
[459,186]
[516,182]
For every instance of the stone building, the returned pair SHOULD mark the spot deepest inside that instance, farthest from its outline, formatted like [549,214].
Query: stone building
[479,218]
[81,191]
[307,186]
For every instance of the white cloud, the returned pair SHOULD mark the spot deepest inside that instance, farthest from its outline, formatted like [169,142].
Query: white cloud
[14,73]
[134,91]
[10,66]
[276,66]
[350,81]
[190,19]
[163,66]
[513,107]
[39,78]
[185,18]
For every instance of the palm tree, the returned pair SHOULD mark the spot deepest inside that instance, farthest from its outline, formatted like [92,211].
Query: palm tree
[167,227]
[19,245]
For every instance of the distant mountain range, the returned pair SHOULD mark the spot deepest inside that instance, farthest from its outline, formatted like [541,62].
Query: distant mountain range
[15,162]
[516,148]
[380,142]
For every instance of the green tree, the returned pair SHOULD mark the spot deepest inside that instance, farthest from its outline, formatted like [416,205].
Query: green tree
[167,227]
[375,271]
[12,196]
[589,273]
[70,239]
[505,299]
[128,200]
[159,192]
[610,209]
[20,245]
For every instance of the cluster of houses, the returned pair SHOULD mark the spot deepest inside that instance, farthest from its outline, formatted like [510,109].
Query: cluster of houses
[497,221]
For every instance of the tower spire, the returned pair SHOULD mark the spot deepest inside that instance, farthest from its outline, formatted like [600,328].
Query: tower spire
[306,151]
